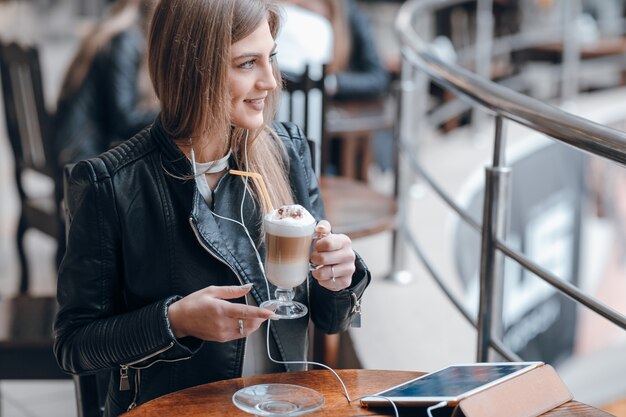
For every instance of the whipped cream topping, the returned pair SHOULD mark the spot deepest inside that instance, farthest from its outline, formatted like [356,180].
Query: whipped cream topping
[289,217]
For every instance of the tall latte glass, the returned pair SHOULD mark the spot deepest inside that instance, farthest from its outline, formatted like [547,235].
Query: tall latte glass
[288,235]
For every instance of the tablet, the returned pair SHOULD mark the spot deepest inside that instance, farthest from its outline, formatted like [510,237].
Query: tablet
[450,384]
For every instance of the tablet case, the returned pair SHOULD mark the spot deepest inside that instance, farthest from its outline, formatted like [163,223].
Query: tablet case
[527,395]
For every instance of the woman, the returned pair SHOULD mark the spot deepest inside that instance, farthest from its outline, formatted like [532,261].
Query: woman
[355,70]
[363,75]
[153,282]
[106,96]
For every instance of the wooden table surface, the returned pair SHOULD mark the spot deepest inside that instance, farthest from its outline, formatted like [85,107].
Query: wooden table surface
[212,400]
[602,47]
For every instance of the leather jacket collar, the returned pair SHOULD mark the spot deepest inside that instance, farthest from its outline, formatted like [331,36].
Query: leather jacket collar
[173,159]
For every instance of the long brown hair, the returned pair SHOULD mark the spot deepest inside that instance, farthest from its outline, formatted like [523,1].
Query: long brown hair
[189,57]
[123,15]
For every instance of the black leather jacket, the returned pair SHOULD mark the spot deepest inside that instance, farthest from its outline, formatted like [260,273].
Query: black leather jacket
[104,109]
[139,238]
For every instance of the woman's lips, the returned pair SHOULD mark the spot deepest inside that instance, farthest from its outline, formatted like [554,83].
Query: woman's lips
[256,103]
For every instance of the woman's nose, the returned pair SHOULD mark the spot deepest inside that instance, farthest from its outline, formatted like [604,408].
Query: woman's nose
[267,81]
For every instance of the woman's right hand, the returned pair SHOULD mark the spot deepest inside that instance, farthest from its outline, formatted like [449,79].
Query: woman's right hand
[207,315]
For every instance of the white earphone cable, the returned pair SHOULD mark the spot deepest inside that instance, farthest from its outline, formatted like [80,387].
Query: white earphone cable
[260,262]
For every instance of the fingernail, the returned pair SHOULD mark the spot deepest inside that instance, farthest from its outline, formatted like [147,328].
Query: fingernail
[274,317]
[248,285]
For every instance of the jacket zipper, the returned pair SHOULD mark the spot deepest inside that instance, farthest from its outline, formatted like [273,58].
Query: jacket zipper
[125,384]
[133,404]
[208,249]
[355,320]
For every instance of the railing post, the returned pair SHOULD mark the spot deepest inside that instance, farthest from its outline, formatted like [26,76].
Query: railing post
[571,12]
[482,57]
[496,208]
[402,134]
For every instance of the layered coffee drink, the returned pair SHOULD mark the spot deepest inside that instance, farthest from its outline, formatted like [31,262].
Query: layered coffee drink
[288,235]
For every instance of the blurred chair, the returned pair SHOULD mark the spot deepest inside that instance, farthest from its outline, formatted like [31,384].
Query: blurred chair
[26,338]
[353,125]
[90,394]
[356,208]
[88,389]
[352,206]
[26,321]
[27,124]
[303,103]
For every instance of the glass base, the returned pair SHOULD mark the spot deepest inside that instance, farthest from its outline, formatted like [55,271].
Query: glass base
[285,309]
[284,400]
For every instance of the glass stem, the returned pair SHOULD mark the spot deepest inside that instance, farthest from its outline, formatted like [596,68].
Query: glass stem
[284,295]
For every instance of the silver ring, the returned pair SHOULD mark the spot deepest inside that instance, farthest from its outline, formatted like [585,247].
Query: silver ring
[241,327]
[332,269]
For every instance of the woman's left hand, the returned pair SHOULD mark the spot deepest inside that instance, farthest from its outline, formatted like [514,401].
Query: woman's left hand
[335,258]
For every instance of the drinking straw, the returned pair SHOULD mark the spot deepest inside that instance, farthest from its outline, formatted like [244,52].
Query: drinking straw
[259,178]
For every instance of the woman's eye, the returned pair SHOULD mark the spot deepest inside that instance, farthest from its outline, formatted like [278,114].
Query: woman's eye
[251,63]
[247,64]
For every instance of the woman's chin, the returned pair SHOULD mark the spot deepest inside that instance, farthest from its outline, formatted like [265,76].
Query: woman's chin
[249,126]
[251,122]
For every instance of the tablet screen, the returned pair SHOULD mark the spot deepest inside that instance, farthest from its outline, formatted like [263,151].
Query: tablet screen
[450,383]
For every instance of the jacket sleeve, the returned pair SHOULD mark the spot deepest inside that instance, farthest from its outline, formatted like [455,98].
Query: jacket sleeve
[366,77]
[123,67]
[330,311]
[93,329]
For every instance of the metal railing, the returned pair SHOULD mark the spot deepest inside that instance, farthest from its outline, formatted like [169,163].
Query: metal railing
[421,66]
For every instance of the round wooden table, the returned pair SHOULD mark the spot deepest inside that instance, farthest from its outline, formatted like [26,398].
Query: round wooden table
[215,399]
